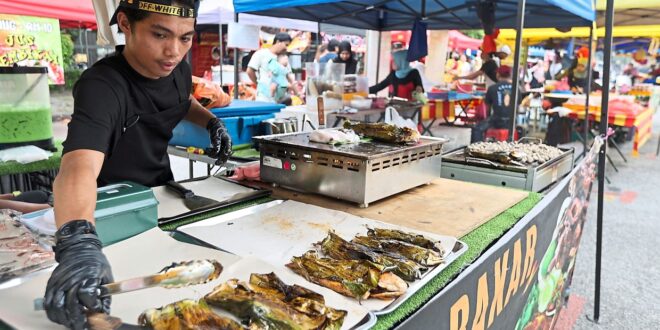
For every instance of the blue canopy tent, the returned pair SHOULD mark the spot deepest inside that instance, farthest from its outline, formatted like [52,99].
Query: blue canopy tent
[389,15]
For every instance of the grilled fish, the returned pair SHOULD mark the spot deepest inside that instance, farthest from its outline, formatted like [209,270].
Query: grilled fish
[186,314]
[385,132]
[260,311]
[301,299]
[337,248]
[353,278]
[398,235]
[420,255]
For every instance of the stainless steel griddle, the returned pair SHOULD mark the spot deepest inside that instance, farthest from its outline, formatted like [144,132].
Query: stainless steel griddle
[362,172]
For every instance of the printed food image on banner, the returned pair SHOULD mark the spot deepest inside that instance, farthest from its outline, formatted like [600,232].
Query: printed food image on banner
[547,295]
[32,41]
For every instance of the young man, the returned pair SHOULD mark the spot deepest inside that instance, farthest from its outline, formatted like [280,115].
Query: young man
[125,108]
[333,45]
[500,104]
[489,67]
[259,69]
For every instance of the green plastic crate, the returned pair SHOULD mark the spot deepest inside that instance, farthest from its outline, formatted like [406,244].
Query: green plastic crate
[124,210]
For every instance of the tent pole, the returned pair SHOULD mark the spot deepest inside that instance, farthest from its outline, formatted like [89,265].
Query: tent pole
[607,58]
[222,53]
[236,65]
[520,23]
[588,90]
[380,40]
[318,35]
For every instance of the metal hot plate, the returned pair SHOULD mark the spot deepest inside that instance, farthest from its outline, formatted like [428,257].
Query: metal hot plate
[361,150]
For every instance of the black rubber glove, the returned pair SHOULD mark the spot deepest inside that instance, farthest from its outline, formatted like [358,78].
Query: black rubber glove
[220,141]
[73,288]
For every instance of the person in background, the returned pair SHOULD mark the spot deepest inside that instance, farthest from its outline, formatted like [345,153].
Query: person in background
[26,202]
[332,52]
[631,72]
[258,68]
[489,67]
[283,80]
[346,57]
[577,76]
[500,105]
[322,51]
[403,81]
[246,60]
[555,67]
[537,74]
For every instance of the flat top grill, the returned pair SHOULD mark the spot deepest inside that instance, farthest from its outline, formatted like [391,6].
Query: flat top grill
[362,150]
[459,156]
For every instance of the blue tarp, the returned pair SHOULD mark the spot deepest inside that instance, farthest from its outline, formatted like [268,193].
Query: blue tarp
[392,15]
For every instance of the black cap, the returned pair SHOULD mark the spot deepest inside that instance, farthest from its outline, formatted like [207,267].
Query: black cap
[155,6]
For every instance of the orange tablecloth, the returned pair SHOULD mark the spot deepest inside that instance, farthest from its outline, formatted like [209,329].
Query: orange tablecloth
[641,121]
[446,109]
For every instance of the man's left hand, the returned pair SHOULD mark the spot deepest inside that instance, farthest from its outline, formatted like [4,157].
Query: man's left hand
[220,141]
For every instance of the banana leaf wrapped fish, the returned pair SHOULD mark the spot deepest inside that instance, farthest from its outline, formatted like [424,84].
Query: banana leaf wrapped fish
[337,248]
[301,299]
[260,311]
[420,255]
[399,235]
[186,314]
[385,132]
[359,279]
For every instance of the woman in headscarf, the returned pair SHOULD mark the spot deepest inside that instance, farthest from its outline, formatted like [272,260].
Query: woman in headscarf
[403,81]
[346,57]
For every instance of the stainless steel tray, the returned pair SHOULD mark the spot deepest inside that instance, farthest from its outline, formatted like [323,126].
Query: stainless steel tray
[280,230]
[533,178]
[360,173]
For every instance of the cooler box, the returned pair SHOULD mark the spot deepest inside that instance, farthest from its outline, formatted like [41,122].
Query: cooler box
[242,119]
[124,210]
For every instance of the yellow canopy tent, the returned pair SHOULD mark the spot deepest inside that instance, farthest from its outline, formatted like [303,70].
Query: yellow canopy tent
[642,31]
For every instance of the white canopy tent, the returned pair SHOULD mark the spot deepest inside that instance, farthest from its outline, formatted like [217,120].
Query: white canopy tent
[210,12]
[222,12]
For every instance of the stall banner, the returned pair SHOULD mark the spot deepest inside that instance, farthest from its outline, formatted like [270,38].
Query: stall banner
[32,41]
[521,281]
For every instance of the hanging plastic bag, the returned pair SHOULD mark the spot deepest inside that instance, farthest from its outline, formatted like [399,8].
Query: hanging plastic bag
[24,154]
[393,117]
[209,94]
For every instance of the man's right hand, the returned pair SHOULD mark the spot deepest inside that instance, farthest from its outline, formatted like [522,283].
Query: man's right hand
[73,288]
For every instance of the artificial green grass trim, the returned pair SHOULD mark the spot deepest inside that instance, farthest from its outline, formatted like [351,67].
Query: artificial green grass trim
[478,241]
[52,163]
[174,225]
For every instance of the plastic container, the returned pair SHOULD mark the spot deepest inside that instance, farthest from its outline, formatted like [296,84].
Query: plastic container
[242,119]
[326,80]
[124,210]
[361,103]
[25,108]
[241,129]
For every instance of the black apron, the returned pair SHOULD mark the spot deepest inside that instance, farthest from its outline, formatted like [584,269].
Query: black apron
[140,152]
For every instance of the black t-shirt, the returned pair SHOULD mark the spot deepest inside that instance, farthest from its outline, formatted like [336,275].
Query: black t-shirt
[499,98]
[489,68]
[100,111]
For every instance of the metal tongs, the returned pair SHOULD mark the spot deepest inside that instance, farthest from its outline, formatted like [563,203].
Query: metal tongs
[176,275]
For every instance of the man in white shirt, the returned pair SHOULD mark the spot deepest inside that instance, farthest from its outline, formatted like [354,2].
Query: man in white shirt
[258,70]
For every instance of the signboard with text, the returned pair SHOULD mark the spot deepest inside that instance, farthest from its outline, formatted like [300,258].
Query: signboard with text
[32,41]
